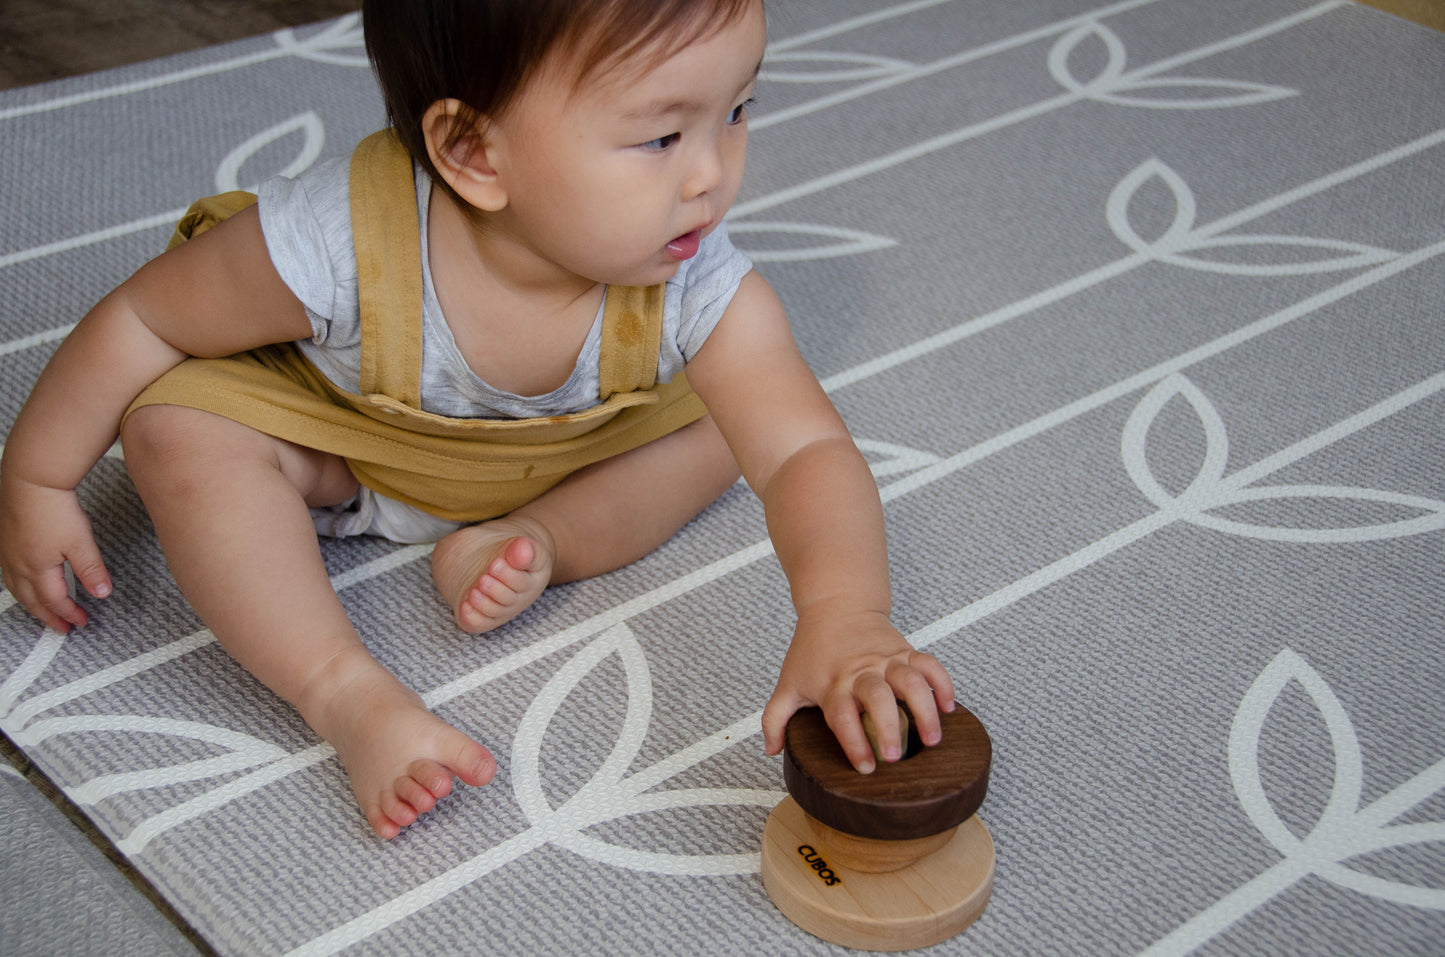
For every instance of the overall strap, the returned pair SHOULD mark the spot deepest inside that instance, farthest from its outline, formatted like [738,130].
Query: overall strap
[631,338]
[385,230]
[387,235]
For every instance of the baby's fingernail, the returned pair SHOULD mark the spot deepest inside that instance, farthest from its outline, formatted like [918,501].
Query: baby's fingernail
[101,590]
[866,767]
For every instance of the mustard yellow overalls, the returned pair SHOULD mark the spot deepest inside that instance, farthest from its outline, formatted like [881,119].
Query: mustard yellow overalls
[464,470]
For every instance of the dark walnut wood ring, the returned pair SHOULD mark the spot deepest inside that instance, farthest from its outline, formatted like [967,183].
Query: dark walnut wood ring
[927,792]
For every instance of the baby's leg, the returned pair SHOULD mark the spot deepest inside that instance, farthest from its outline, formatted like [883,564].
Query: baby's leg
[230,508]
[597,520]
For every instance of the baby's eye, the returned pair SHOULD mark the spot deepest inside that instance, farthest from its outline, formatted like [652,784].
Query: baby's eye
[662,142]
[739,111]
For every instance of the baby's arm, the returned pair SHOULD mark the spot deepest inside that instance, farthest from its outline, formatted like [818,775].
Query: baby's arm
[217,294]
[826,523]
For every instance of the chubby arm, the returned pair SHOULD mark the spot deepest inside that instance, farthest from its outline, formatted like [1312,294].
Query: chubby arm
[217,294]
[826,523]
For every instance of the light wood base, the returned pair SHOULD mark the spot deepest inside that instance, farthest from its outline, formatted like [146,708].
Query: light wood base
[919,905]
[872,856]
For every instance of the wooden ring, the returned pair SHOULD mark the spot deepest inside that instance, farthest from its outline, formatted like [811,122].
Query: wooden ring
[929,791]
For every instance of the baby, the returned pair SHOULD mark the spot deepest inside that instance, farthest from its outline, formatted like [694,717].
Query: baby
[378,347]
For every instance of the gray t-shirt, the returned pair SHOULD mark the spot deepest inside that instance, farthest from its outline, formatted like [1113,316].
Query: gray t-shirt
[307,225]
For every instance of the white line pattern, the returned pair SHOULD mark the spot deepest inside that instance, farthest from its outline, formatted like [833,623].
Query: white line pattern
[1210,501]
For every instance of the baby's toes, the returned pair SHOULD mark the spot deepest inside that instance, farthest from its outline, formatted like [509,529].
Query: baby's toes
[521,553]
[474,764]
[501,591]
[382,824]
[398,811]
[501,575]
[434,776]
[489,604]
[412,792]
[472,613]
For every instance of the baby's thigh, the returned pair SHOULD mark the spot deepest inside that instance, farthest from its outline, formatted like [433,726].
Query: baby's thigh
[168,444]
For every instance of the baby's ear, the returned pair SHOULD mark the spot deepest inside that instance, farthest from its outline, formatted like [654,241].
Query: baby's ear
[463,160]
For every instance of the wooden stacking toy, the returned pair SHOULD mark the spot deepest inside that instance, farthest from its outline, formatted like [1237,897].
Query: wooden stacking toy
[892,860]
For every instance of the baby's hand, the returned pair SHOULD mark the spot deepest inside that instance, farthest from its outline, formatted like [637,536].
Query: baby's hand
[848,664]
[40,530]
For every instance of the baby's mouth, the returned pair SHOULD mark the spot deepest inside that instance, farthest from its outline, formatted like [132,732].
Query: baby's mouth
[685,246]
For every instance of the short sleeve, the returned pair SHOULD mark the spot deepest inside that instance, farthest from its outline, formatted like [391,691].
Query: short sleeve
[698,296]
[306,222]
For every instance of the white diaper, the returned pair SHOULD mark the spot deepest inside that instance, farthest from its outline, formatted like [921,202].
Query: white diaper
[371,514]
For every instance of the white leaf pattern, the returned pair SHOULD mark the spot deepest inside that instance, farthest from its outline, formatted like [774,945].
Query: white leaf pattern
[1343,831]
[1070,43]
[242,751]
[327,45]
[1112,85]
[1181,239]
[1213,94]
[850,67]
[1210,489]
[47,646]
[1358,255]
[1244,739]
[608,795]
[313,138]
[853,241]
[1200,493]
[1116,208]
[1429,515]
[531,733]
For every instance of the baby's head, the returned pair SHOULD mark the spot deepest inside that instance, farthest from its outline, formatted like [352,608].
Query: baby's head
[484,52]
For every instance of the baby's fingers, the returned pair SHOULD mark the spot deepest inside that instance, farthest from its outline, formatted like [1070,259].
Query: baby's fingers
[843,718]
[889,737]
[57,593]
[89,568]
[47,596]
[776,713]
[923,684]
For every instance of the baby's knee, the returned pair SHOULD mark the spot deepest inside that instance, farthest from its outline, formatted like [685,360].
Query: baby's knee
[164,442]
[155,435]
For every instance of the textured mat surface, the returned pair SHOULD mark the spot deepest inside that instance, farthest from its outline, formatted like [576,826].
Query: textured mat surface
[60,895]
[1137,309]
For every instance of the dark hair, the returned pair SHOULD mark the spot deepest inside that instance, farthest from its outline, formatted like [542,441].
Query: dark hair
[482,52]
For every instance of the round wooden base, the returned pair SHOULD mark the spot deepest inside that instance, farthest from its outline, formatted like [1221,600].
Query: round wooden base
[921,904]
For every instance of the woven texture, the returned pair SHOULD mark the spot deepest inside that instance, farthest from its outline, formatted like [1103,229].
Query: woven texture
[1135,308]
[60,895]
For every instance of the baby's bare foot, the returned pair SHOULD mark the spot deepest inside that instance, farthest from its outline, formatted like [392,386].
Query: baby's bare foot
[491,573]
[400,757]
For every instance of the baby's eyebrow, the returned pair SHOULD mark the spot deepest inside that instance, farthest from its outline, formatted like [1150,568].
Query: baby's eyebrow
[659,108]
